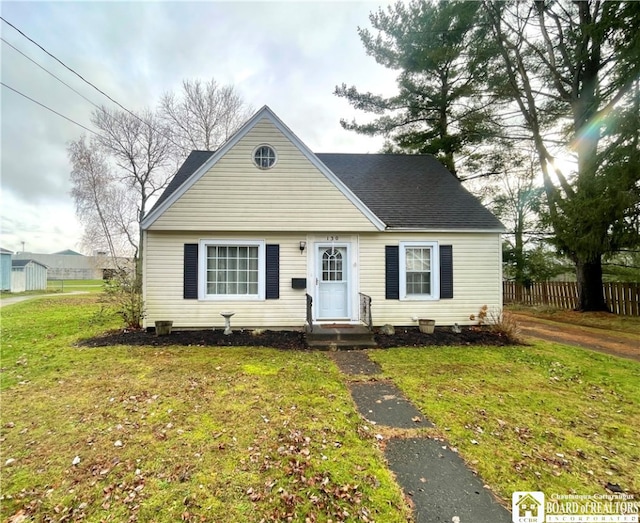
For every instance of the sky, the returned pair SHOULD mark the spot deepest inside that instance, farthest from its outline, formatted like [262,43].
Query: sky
[287,55]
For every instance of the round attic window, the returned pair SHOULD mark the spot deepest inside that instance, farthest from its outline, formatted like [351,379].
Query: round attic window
[264,157]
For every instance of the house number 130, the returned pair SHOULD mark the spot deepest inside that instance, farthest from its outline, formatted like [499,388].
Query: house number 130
[332,238]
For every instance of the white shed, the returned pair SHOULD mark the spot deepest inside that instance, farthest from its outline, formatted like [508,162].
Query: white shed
[28,275]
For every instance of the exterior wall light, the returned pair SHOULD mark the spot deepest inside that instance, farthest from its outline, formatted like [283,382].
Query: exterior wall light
[303,246]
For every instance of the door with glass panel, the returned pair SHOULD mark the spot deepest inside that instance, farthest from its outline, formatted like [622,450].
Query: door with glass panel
[333,282]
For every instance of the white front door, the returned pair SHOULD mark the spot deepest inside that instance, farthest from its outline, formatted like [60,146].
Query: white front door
[333,282]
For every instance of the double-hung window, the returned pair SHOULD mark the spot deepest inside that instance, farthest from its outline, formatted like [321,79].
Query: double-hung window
[419,271]
[232,269]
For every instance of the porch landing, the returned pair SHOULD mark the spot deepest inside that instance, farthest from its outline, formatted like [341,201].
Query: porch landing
[340,337]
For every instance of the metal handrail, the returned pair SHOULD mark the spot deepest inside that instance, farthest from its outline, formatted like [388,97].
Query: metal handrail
[310,312]
[365,310]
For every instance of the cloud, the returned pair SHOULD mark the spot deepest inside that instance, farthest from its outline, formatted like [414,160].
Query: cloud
[289,55]
[44,228]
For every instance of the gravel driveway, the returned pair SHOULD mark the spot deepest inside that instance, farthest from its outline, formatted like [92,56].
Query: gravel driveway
[625,346]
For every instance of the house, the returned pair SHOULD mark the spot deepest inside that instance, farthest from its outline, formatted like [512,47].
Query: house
[5,269]
[72,265]
[265,228]
[28,275]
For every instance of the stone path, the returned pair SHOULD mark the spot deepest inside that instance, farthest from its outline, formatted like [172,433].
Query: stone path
[384,404]
[441,487]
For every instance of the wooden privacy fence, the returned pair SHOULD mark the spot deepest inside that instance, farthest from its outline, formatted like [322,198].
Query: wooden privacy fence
[621,298]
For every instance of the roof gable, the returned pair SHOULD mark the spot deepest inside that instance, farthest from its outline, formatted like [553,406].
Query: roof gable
[393,191]
[20,264]
[190,172]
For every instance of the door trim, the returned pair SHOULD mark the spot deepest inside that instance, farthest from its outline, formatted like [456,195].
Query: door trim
[313,267]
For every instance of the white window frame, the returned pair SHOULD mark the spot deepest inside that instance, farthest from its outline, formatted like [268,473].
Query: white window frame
[275,157]
[435,271]
[202,269]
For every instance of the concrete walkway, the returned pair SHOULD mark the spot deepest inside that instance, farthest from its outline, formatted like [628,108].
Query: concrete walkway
[10,300]
[441,487]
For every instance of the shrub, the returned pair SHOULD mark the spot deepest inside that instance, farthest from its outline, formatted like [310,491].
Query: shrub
[123,293]
[504,324]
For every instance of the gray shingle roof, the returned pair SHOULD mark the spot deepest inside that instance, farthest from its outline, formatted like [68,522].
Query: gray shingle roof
[24,263]
[410,191]
[404,191]
[190,165]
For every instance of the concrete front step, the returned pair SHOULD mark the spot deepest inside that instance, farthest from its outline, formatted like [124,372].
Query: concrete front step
[340,337]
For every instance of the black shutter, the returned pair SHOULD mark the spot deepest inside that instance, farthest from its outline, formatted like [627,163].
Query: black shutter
[392,272]
[272,286]
[446,271]
[190,282]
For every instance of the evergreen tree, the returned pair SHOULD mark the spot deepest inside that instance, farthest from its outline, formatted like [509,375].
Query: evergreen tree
[439,108]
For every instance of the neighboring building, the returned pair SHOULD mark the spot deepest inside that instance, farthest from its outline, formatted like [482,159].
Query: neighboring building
[28,275]
[262,227]
[71,265]
[5,269]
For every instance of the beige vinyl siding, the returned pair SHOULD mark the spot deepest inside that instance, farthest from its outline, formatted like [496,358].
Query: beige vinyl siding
[234,195]
[477,274]
[164,285]
[477,278]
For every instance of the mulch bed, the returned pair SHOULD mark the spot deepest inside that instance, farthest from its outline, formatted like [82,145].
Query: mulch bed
[404,337]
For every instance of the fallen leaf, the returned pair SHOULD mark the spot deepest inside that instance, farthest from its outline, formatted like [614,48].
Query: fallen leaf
[19,517]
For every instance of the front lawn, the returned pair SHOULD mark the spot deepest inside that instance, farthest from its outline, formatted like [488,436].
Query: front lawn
[544,417]
[177,433]
[229,434]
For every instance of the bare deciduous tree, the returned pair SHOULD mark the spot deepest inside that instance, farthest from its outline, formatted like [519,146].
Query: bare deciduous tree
[203,115]
[142,149]
[106,211]
[126,167]
[134,156]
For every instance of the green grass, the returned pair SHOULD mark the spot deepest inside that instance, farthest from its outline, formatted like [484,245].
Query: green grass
[178,433]
[544,417]
[59,286]
[75,285]
[245,434]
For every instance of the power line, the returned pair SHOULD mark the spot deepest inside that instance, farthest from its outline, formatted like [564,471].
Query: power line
[47,108]
[49,72]
[67,67]
[88,82]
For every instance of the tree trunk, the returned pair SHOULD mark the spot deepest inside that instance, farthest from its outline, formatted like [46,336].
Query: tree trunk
[519,248]
[590,294]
